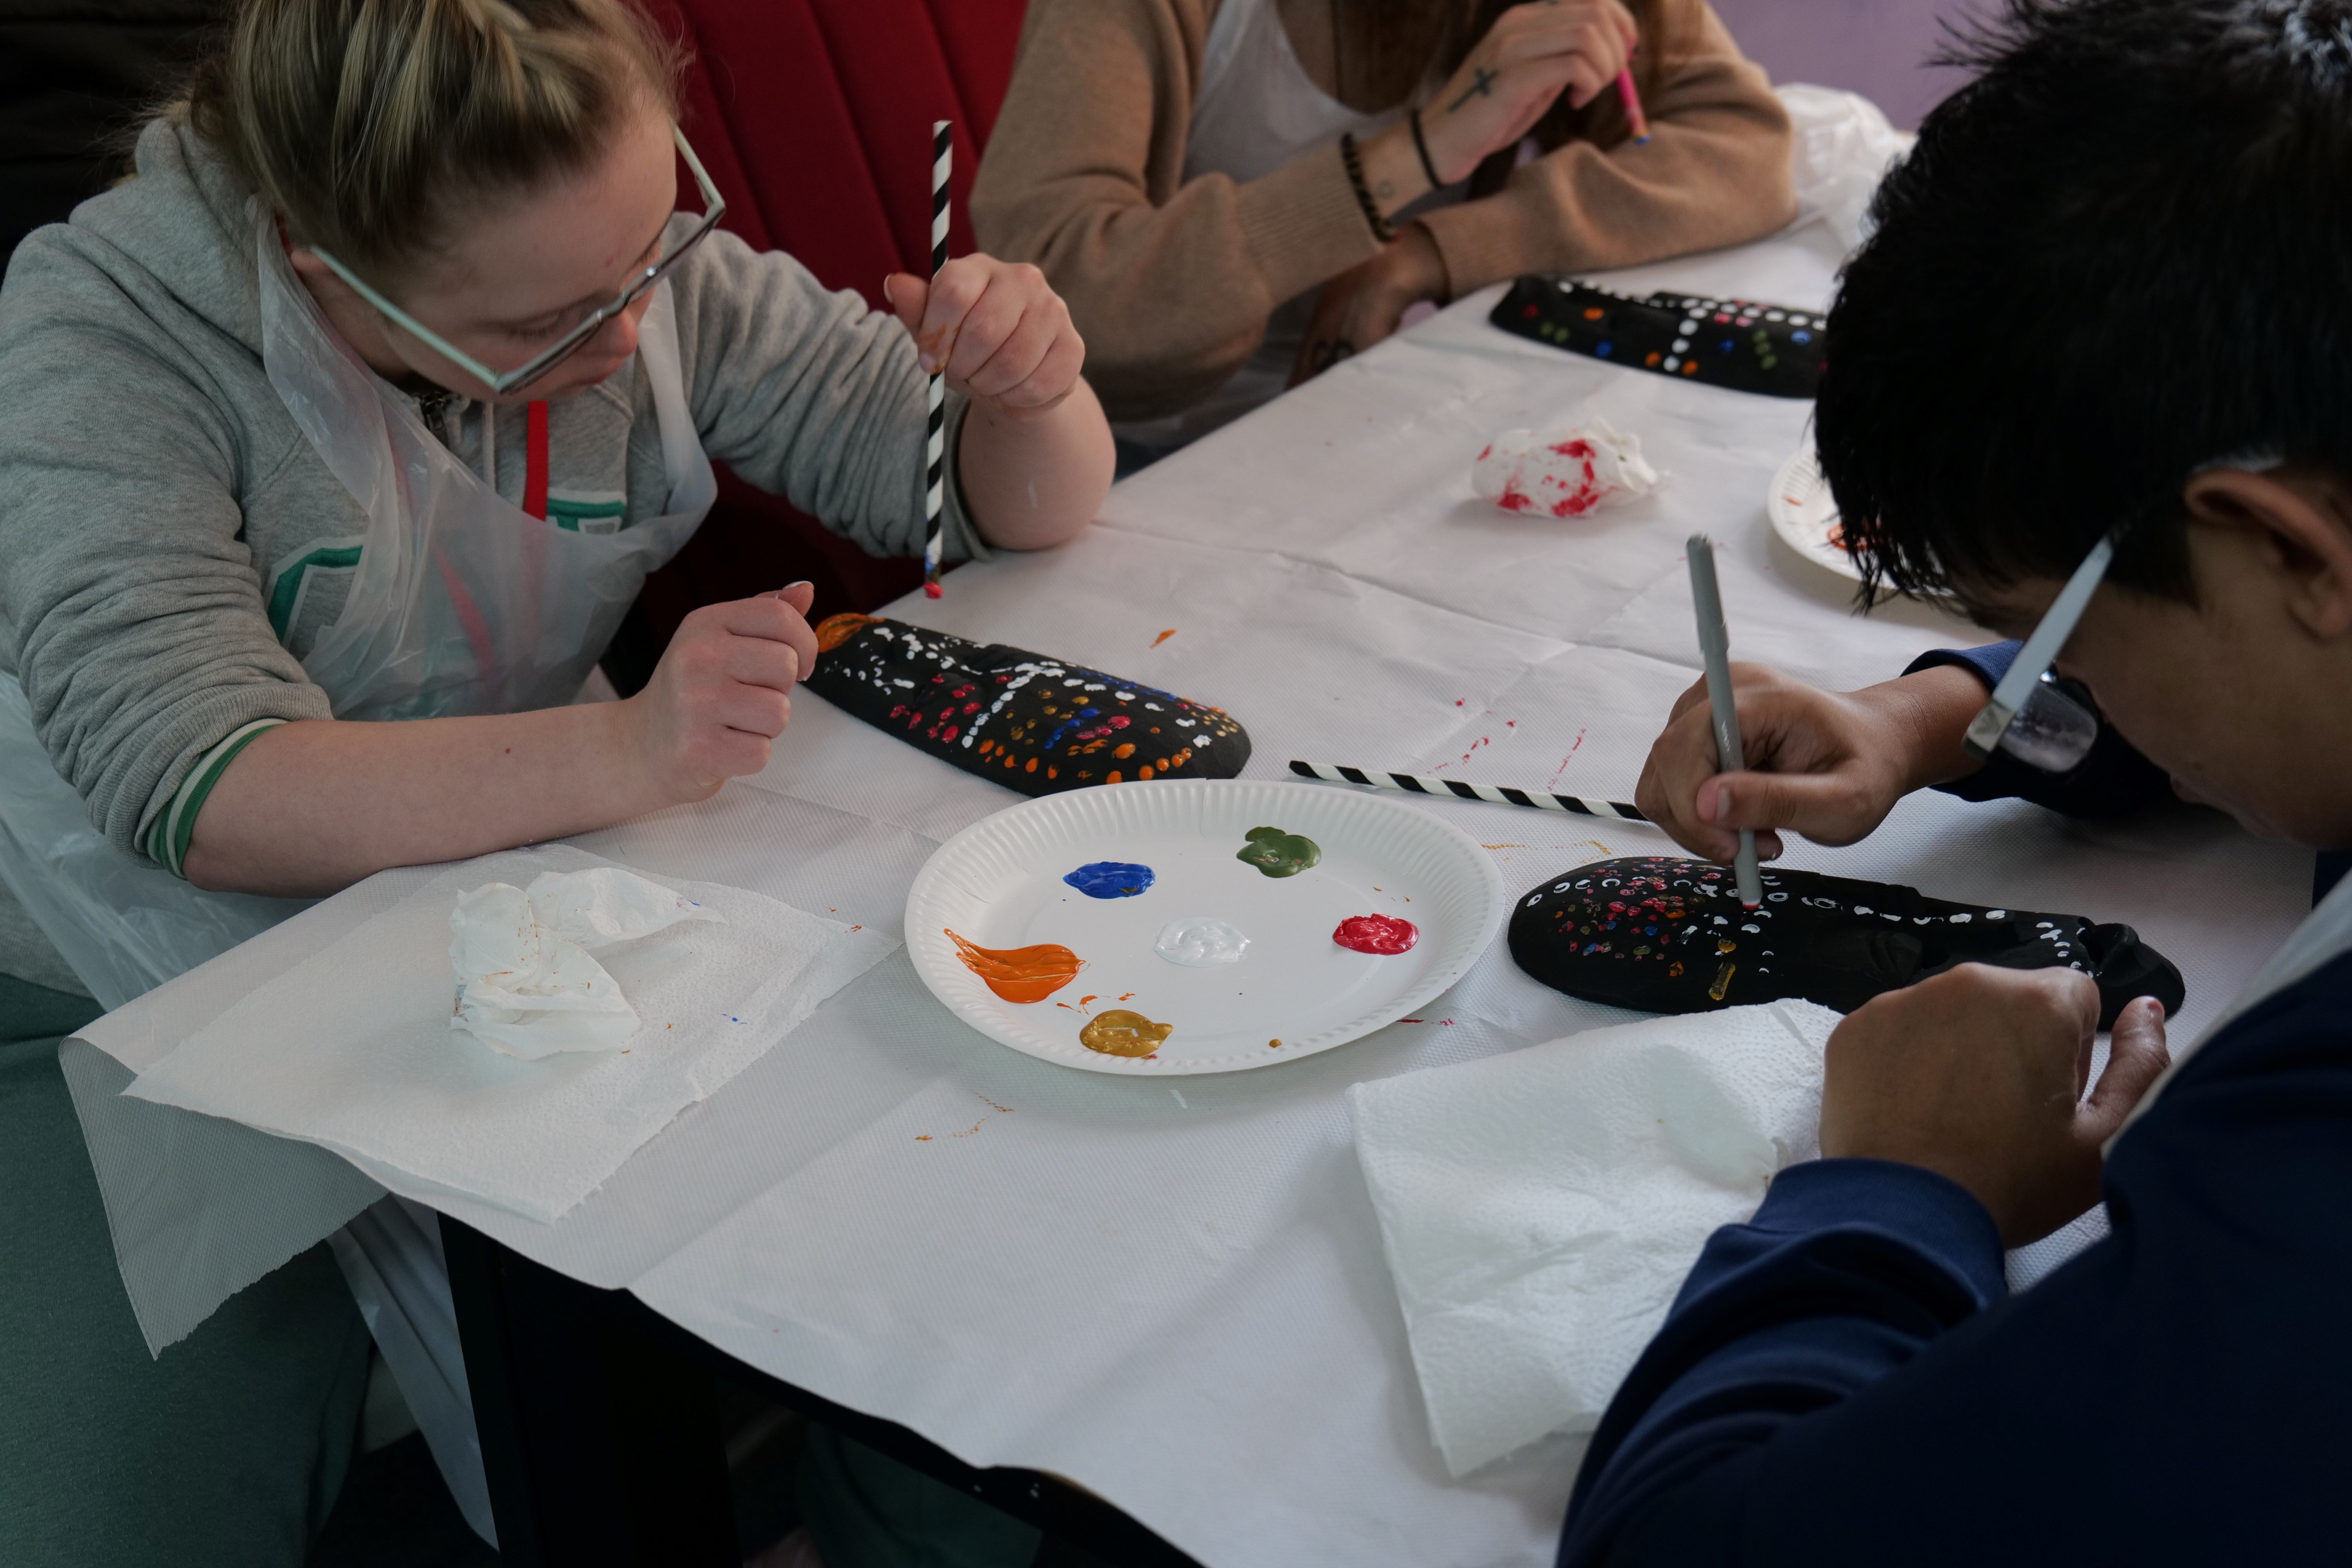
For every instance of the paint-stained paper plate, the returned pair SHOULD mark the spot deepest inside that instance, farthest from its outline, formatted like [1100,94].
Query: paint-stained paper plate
[1805,514]
[999,884]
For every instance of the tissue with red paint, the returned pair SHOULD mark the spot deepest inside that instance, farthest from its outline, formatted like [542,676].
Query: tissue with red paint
[1562,473]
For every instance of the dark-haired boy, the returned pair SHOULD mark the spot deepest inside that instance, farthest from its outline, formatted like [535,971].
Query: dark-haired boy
[2105,306]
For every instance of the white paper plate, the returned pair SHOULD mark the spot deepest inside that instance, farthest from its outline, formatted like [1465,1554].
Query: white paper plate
[1805,514]
[999,884]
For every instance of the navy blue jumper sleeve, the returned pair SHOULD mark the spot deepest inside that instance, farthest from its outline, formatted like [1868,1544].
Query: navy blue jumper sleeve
[2114,780]
[1844,1382]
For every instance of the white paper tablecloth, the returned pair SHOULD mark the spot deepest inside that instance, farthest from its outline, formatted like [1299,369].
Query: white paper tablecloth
[1177,1298]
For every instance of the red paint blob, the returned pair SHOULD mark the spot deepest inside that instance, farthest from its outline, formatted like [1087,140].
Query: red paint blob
[1383,936]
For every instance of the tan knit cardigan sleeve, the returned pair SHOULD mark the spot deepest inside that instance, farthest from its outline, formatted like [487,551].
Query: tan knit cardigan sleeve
[1171,281]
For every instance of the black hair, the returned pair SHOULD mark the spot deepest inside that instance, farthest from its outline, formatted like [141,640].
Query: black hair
[2122,252]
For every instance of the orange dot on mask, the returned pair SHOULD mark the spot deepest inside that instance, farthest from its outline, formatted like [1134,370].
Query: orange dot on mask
[835,630]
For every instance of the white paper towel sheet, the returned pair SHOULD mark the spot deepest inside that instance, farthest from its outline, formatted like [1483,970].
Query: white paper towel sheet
[1539,1209]
[351,1048]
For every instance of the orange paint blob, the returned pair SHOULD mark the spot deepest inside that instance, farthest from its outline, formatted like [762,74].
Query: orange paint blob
[1163,637]
[1144,773]
[835,630]
[1112,777]
[1020,973]
[1124,749]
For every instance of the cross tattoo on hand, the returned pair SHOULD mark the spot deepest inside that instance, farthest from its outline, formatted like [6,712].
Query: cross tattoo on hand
[1482,87]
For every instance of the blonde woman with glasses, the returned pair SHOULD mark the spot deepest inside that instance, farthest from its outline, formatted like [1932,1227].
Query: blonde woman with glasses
[372,395]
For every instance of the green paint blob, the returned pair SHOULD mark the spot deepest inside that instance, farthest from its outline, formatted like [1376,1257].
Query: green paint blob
[1278,853]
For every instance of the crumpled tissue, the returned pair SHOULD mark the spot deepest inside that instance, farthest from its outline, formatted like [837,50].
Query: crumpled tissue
[1563,473]
[351,1048]
[527,985]
[1539,1209]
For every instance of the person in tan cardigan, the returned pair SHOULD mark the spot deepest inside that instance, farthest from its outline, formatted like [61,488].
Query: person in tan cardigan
[1177,169]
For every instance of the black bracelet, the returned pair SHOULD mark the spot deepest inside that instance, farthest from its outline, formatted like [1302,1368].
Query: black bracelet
[1382,230]
[1422,147]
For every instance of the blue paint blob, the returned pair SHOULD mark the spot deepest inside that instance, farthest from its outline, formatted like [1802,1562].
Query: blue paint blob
[1110,879]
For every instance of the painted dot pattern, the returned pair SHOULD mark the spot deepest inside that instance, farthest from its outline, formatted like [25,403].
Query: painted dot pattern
[1032,723]
[1739,344]
[1661,934]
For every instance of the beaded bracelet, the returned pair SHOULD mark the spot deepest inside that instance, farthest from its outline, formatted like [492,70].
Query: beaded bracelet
[1382,230]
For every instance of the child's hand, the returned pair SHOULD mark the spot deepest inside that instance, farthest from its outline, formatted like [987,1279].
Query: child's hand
[1005,336]
[1828,765]
[723,693]
[1978,1075]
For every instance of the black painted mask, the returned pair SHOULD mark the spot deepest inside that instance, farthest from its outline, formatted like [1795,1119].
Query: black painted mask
[1666,935]
[1028,722]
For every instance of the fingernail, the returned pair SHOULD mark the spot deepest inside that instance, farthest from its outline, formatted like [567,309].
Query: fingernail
[886,294]
[1711,807]
[801,583]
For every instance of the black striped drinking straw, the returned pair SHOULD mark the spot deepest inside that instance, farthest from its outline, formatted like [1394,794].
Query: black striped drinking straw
[1499,795]
[934,496]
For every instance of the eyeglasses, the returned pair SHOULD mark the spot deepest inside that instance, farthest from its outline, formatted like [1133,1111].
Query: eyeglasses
[714,208]
[2029,717]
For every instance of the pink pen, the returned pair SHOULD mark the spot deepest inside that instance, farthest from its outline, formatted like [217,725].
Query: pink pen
[1633,115]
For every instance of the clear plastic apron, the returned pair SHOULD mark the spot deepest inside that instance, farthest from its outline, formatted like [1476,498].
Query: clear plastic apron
[461,602]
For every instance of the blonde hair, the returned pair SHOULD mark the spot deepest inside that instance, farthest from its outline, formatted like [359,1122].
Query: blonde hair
[361,122]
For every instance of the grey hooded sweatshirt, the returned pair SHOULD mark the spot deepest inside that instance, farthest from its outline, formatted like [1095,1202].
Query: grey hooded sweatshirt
[171,545]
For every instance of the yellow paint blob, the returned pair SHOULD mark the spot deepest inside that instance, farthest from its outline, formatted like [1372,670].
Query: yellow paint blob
[1117,1032]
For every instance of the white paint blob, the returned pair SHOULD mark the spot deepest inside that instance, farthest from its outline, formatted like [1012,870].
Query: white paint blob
[1199,940]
